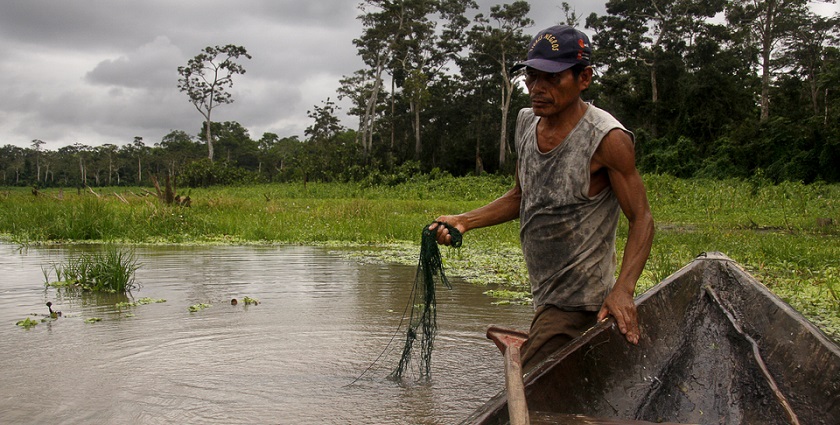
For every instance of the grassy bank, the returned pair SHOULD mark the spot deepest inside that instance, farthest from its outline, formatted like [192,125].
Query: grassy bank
[786,235]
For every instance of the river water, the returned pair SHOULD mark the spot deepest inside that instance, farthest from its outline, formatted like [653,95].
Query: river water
[292,359]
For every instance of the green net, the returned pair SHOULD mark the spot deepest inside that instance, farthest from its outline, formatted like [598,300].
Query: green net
[423,319]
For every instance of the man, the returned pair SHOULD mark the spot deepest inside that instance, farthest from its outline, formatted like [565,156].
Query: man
[575,171]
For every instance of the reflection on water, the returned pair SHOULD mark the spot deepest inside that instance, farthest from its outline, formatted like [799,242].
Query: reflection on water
[321,323]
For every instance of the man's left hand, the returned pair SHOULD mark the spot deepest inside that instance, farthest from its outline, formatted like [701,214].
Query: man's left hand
[620,305]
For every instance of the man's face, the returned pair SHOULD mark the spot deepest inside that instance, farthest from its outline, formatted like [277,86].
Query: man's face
[552,94]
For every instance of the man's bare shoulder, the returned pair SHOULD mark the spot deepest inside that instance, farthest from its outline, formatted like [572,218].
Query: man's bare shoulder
[616,151]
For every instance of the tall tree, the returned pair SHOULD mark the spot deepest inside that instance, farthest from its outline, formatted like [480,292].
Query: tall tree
[108,152]
[384,22]
[403,37]
[765,25]
[641,33]
[234,144]
[140,150]
[12,159]
[380,20]
[572,18]
[80,152]
[206,79]
[426,52]
[326,125]
[806,51]
[364,89]
[36,145]
[175,148]
[502,44]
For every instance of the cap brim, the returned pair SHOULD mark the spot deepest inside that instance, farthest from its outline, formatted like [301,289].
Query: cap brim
[544,65]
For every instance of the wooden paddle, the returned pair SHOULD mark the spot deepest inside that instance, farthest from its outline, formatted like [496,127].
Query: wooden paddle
[509,342]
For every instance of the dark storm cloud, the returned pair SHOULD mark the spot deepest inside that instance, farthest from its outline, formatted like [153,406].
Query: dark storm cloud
[151,66]
[104,71]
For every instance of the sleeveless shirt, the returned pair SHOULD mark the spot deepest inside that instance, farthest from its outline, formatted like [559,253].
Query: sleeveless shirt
[568,237]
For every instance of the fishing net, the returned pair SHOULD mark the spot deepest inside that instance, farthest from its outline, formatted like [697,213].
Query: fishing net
[423,318]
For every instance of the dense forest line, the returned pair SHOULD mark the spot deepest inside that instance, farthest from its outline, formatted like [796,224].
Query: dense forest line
[711,88]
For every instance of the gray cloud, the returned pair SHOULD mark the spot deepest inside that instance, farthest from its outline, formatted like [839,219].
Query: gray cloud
[150,66]
[99,71]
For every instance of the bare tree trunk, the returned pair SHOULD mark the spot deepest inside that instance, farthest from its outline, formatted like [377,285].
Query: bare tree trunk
[653,85]
[415,108]
[370,110]
[765,87]
[507,87]
[766,47]
[825,117]
[815,92]
[82,172]
[393,107]
[507,90]
[209,136]
[479,167]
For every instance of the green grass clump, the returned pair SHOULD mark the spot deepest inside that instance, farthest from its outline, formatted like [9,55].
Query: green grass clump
[111,271]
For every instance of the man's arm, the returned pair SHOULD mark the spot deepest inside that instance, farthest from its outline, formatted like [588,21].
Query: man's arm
[617,154]
[501,210]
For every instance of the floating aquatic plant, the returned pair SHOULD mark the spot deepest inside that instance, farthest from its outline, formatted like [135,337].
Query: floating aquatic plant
[93,319]
[27,323]
[147,300]
[198,307]
[250,301]
[141,301]
[508,297]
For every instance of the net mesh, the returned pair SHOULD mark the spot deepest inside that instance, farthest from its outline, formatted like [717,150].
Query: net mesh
[423,319]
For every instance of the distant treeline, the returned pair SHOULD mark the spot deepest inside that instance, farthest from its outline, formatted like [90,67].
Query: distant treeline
[753,91]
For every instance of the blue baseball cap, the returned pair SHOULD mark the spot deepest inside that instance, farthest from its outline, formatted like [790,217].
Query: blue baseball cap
[557,49]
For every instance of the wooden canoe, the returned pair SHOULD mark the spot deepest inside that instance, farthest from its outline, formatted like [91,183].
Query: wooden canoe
[717,348]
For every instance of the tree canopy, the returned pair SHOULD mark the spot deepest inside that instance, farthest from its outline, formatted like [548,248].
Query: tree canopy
[712,88]
[206,79]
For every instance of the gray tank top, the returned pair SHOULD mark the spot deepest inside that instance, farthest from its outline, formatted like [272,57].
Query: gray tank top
[568,237]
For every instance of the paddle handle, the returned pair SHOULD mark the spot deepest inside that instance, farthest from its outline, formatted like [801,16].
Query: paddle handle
[517,404]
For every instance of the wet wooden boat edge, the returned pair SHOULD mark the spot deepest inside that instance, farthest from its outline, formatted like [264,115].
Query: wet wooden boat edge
[711,307]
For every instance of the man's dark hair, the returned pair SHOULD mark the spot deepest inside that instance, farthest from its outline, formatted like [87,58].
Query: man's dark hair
[577,70]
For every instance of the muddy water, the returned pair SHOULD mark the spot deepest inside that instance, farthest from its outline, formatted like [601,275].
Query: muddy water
[290,360]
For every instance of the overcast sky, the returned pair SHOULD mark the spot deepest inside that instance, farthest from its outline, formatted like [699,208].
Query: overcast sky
[105,71]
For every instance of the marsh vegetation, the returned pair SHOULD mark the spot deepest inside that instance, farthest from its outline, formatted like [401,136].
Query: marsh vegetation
[785,234]
[110,271]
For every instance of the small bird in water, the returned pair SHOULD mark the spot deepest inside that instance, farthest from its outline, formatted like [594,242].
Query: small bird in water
[53,314]
[234,302]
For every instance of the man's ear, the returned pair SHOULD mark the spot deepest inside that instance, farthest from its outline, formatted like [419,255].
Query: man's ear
[585,78]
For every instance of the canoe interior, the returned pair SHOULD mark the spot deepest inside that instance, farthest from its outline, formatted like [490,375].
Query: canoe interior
[717,348]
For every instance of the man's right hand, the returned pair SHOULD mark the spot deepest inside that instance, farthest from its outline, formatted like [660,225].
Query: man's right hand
[443,236]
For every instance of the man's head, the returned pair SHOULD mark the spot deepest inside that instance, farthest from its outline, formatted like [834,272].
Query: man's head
[557,49]
[557,70]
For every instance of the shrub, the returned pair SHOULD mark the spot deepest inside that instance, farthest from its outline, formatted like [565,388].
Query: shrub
[203,173]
